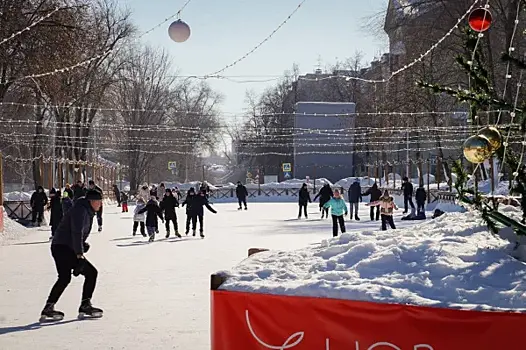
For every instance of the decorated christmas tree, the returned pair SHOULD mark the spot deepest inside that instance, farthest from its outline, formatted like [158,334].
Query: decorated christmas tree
[492,140]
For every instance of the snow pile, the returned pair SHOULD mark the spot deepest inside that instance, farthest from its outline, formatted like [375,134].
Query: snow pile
[12,230]
[452,261]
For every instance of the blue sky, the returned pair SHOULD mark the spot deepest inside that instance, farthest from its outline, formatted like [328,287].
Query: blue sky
[224,30]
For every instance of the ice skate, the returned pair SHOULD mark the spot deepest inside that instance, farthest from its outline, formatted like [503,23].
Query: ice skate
[356,218]
[134,233]
[246,208]
[49,314]
[193,233]
[100,228]
[86,310]
[144,234]
[186,232]
[152,237]
[239,208]
[167,234]
[202,234]
[177,234]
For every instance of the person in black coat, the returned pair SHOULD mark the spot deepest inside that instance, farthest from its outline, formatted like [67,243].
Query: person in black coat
[375,194]
[92,186]
[407,187]
[38,203]
[241,194]
[168,205]
[325,195]
[56,210]
[78,190]
[420,197]
[355,197]
[68,248]
[188,202]
[117,194]
[153,211]
[303,200]
[197,204]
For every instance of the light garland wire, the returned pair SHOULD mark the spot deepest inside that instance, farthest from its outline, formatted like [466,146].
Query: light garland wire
[258,45]
[43,18]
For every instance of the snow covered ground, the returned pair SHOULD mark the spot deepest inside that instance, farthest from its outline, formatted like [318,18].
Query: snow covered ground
[155,296]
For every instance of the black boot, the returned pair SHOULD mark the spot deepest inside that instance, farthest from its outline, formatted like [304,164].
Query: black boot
[86,310]
[50,314]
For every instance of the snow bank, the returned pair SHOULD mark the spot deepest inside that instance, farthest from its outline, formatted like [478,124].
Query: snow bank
[449,262]
[12,230]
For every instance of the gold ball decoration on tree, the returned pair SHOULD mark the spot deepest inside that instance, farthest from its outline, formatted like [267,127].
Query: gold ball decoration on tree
[477,149]
[493,135]
[179,31]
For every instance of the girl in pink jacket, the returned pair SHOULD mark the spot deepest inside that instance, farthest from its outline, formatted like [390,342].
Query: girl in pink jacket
[387,206]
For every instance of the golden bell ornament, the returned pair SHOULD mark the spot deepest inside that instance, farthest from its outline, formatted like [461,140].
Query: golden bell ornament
[477,149]
[493,135]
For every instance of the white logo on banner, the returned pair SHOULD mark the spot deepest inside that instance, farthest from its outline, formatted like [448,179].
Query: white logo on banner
[288,344]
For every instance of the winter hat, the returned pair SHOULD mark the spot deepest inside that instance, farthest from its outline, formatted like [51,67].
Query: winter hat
[168,190]
[93,195]
[91,182]
[52,191]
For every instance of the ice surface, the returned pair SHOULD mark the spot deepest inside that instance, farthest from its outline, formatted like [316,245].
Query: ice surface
[450,262]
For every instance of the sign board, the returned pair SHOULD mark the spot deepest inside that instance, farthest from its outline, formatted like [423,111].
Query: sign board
[172,165]
[287,175]
[286,167]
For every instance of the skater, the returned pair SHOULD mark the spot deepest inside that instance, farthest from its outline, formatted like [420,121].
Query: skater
[124,202]
[407,187]
[355,197]
[56,210]
[338,210]
[190,195]
[325,196]
[375,194]
[138,218]
[420,197]
[162,190]
[68,248]
[196,204]
[241,194]
[304,198]
[387,205]
[117,194]
[177,193]
[168,206]
[152,211]
[38,203]
[69,191]
[144,192]
[92,186]
[67,203]
[78,190]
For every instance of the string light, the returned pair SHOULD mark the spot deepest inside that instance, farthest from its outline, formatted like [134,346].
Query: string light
[43,18]
[258,45]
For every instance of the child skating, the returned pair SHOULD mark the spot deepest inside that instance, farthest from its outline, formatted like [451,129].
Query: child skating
[124,202]
[153,211]
[338,210]
[139,218]
[387,206]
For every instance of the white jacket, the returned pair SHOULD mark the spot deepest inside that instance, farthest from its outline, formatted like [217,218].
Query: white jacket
[136,215]
[144,194]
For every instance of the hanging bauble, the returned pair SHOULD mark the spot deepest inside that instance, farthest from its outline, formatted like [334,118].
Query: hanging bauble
[179,31]
[477,149]
[493,135]
[480,19]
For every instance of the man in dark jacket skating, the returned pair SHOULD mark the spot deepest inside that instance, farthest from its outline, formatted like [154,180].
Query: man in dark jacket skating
[68,248]
[241,194]
[355,197]
[375,194]
[55,204]
[38,203]
[92,186]
[197,204]
[325,195]
[303,200]
[168,205]
[407,188]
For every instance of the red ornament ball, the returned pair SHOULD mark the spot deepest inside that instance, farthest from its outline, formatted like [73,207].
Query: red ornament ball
[480,20]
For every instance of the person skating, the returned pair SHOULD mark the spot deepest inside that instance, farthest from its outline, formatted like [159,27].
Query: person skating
[55,204]
[241,194]
[375,194]
[168,206]
[338,210]
[407,187]
[92,186]
[162,190]
[325,195]
[355,197]
[139,218]
[197,204]
[387,206]
[68,248]
[420,197]
[124,202]
[144,192]
[117,194]
[190,195]
[177,193]
[69,191]
[78,190]
[67,203]
[38,203]
[303,200]
[153,211]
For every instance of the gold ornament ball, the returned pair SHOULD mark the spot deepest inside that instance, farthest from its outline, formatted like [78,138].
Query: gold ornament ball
[493,135]
[477,149]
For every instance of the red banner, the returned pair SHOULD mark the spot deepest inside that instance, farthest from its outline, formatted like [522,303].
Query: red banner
[249,321]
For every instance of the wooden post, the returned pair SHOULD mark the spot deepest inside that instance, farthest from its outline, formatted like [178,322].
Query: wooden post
[428,179]
[437,167]
[50,175]
[67,172]
[41,171]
